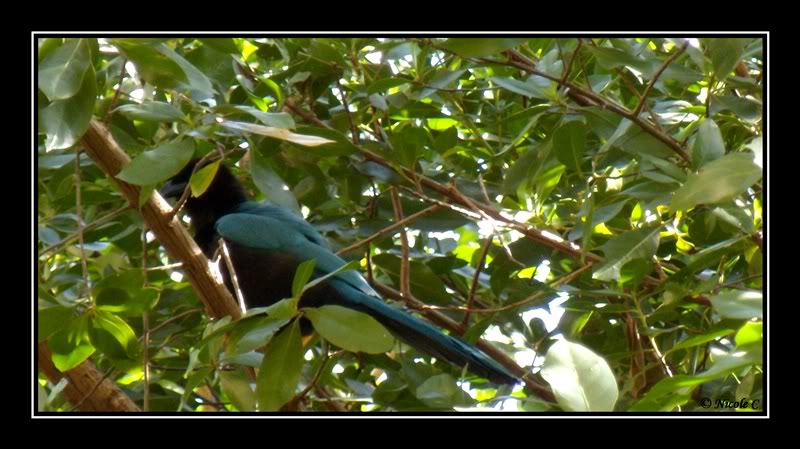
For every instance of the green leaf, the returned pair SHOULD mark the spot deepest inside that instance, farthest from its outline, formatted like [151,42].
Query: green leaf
[251,334]
[612,58]
[717,181]
[424,283]
[277,133]
[349,329]
[446,139]
[52,320]
[632,245]
[708,145]
[202,178]
[280,370]
[158,164]
[270,183]
[71,346]
[739,304]
[701,339]
[128,302]
[751,332]
[301,276]
[220,44]
[156,111]
[385,84]
[61,74]
[478,47]
[569,144]
[112,335]
[153,67]
[535,86]
[274,119]
[725,54]
[236,386]
[442,391]
[198,83]
[65,121]
[581,380]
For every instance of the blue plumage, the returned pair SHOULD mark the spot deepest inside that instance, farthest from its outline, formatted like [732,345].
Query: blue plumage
[267,243]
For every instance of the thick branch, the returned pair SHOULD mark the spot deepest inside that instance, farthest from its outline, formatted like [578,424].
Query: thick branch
[102,148]
[86,386]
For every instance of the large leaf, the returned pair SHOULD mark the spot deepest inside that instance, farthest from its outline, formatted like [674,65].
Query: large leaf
[156,111]
[60,74]
[535,86]
[632,245]
[717,181]
[476,47]
[442,391]
[277,133]
[271,184]
[708,145]
[158,164]
[581,380]
[569,144]
[349,329]
[71,346]
[280,369]
[65,121]
[112,335]
[739,304]
[237,386]
[725,54]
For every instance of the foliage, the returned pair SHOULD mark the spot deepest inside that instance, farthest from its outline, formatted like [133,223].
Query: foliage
[640,156]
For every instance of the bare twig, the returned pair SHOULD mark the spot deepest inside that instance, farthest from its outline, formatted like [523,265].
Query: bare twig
[655,78]
[353,129]
[114,100]
[405,275]
[232,274]
[475,277]
[396,225]
[571,60]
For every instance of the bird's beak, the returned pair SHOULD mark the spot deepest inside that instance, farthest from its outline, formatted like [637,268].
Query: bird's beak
[172,189]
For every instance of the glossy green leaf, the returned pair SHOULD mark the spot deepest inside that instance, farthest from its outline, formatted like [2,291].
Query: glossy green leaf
[65,121]
[236,386]
[751,332]
[350,330]
[52,320]
[477,47]
[708,145]
[301,276]
[277,133]
[717,181]
[252,334]
[739,304]
[156,111]
[632,245]
[569,144]
[271,184]
[382,85]
[202,178]
[725,54]
[158,164]
[112,335]
[280,370]
[534,86]
[581,380]
[61,73]
[274,119]
[71,346]
[441,392]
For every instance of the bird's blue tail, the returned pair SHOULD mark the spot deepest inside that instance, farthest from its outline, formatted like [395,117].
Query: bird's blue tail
[424,336]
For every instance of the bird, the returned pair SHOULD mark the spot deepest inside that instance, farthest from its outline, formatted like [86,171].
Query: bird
[266,243]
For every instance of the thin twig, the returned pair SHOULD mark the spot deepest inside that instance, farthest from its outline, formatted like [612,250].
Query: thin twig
[571,60]
[640,97]
[607,103]
[655,77]
[353,130]
[175,318]
[114,100]
[405,275]
[396,225]
[475,278]
[99,222]
[232,274]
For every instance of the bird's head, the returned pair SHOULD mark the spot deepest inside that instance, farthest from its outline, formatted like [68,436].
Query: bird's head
[224,193]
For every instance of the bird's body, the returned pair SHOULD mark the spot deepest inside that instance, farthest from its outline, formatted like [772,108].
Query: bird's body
[267,243]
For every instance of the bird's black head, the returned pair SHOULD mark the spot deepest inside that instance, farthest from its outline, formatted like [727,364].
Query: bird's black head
[223,194]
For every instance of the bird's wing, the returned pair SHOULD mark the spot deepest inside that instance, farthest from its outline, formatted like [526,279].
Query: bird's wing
[265,232]
[286,217]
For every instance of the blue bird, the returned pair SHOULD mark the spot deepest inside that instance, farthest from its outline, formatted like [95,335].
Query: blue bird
[267,243]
